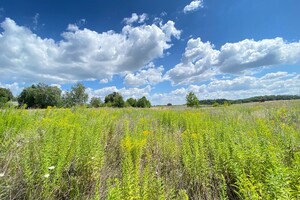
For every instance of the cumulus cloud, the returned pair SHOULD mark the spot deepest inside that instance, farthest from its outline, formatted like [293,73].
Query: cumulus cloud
[193,6]
[277,83]
[195,64]
[150,75]
[248,86]
[82,54]
[170,30]
[247,54]
[136,18]
[201,61]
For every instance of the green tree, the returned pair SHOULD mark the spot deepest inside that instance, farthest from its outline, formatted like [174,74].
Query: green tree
[114,99]
[76,97]
[110,97]
[192,100]
[95,102]
[40,96]
[131,102]
[118,101]
[5,96]
[143,103]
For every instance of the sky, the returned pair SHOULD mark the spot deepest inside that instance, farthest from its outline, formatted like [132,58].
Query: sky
[159,49]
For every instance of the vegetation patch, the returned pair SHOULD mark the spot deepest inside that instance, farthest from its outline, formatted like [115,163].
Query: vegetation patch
[236,152]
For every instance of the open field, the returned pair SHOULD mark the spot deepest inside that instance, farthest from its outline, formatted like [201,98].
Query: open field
[249,151]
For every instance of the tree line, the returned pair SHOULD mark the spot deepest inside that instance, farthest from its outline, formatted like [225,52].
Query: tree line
[192,100]
[43,96]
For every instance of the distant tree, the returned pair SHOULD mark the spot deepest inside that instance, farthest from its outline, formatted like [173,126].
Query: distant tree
[114,99]
[192,100]
[5,96]
[78,94]
[131,102]
[169,104]
[143,103]
[76,97]
[118,101]
[95,102]
[67,100]
[40,96]
[110,97]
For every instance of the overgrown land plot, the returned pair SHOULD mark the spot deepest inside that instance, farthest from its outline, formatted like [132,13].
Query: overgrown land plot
[249,151]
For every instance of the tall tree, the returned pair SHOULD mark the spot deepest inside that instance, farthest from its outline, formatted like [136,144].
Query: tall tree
[118,101]
[77,96]
[40,96]
[192,100]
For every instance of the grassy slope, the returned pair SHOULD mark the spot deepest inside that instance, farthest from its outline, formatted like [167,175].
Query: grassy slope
[249,151]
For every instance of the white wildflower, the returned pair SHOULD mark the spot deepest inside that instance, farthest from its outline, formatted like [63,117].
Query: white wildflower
[46,175]
[2,174]
[51,168]
[92,158]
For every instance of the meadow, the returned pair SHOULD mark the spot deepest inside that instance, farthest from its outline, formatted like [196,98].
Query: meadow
[248,151]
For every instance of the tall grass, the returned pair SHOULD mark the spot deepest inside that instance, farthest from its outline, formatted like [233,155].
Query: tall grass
[238,152]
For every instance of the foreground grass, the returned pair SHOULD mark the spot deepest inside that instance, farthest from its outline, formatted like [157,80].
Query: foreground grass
[238,152]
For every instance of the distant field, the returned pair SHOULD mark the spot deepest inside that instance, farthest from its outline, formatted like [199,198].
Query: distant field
[245,151]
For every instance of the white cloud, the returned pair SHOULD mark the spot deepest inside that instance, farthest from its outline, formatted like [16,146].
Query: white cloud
[56,85]
[201,61]
[72,27]
[195,64]
[105,80]
[150,75]
[278,83]
[248,54]
[125,92]
[82,54]
[248,86]
[75,27]
[136,18]
[193,6]
[170,30]
[143,17]
[36,21]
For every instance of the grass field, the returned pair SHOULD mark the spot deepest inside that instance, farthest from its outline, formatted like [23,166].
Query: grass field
[249,151]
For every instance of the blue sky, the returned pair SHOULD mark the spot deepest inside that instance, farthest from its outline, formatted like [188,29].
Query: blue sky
[161,49]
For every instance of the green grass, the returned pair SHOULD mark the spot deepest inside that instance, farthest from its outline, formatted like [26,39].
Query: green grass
[249,151]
